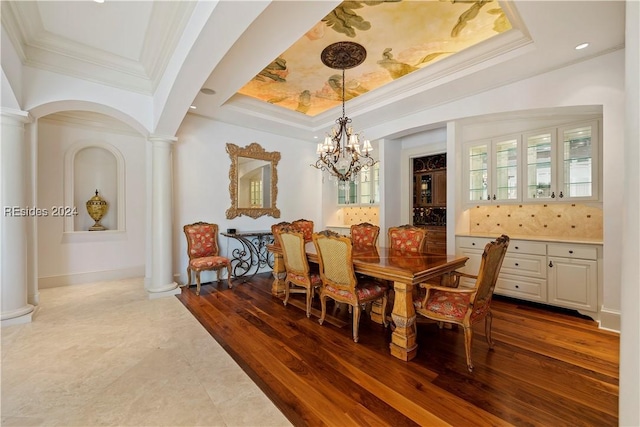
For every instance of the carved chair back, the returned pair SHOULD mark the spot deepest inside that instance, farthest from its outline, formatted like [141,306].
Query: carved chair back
[305,226]
[364,234]
[202,239]
[407,238]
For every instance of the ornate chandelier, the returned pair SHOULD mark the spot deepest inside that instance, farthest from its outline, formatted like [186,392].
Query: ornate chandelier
[342,155]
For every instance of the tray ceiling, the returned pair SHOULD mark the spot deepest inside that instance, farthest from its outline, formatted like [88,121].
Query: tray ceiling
[400,37]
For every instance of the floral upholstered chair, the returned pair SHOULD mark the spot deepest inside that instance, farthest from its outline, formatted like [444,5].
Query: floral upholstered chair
[364,234]
[407,238]
[339,281]
[297,267]
[202,248]
[305,226]
[467,306]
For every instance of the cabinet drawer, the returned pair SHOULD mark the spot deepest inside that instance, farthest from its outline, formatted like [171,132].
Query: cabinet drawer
[526,247]
[473,242]
[522,287]
[573,251]
[525,265]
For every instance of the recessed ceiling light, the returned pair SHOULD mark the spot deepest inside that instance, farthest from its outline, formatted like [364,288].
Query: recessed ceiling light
[99,1]
[207,91]
[582,46]
[193,107]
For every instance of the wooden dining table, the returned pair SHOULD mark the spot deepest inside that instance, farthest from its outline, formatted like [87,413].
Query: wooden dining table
[404,269]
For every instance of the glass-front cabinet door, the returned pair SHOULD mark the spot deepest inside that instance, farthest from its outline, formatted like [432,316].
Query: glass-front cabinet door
[478,172]
[507,161]
[347,192]
[369,185]
[579,174]
[540,149]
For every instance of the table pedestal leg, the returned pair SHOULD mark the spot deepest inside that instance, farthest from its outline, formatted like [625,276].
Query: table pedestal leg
[403,339]
[279,273]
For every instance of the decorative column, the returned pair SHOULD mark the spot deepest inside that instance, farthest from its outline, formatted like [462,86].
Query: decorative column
[161,240]
[14,221]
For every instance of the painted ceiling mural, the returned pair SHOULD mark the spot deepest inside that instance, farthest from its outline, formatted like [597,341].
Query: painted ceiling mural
[400,37]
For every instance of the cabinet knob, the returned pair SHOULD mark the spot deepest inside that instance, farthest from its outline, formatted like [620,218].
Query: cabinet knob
[517,248]
[494,197]
[517,286]
[550,263]
[570,252]
[561,195]
[553,194]
[473,244]
[517,264]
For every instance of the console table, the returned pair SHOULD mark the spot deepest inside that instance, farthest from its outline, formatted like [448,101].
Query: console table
[252,254]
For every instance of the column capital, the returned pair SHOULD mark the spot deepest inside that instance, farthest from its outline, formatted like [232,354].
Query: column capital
[155,139]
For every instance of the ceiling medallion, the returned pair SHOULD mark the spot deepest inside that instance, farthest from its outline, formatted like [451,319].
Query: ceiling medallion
[343,55]
[342,155]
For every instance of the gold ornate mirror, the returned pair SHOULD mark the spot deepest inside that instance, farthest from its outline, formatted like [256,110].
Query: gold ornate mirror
[254,181]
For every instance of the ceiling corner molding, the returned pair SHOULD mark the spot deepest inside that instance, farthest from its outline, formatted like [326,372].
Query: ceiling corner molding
[167,24]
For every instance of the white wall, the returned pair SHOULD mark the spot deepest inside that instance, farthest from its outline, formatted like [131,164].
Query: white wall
[80,257]
[201,183]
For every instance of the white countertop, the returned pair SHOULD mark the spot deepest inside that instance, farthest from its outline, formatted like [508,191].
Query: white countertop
[555,239]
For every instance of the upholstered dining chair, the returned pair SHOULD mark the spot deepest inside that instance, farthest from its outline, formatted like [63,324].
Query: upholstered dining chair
[298,272]
[202,248]
[463,306]
[306,226]
[339,281]
[407,238]
[364,234]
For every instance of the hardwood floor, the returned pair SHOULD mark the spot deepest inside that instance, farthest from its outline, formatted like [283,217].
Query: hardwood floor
[547,368]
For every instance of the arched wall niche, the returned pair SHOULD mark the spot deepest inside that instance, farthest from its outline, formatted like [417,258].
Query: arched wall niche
[91,166]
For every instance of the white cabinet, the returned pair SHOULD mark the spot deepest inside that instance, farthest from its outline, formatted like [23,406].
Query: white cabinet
[491,170]
[563,275]
[363,192]
[559,164]
[573,276]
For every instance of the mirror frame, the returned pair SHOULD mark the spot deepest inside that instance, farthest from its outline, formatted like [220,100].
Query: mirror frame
[253,151]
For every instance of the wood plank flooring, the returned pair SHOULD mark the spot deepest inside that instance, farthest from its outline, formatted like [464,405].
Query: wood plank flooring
[547,368]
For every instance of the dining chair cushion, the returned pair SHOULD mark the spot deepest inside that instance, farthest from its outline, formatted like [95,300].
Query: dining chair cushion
[453,305]
[315,278]
[208,262]
[364,291]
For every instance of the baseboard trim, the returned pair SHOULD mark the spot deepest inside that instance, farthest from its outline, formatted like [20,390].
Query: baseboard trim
[90,277]
[610,319]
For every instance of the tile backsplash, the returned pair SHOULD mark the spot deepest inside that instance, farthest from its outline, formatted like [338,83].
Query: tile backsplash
[356,215]
[557,220]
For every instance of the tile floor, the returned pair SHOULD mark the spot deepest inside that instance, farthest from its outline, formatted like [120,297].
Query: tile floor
[104,354]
